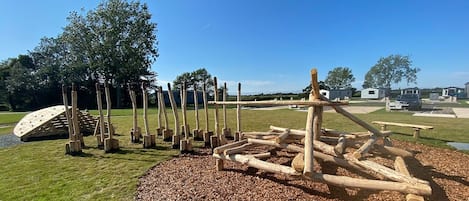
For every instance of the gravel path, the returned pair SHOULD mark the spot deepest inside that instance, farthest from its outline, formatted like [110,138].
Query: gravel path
[9,140]
[193,177]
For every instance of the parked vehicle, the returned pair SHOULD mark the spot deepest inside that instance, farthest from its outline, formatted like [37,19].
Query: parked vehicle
[410,101]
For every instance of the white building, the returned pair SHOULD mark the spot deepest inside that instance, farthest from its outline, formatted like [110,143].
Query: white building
[373,93]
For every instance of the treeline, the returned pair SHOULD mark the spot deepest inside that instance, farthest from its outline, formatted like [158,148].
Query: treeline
[114,43]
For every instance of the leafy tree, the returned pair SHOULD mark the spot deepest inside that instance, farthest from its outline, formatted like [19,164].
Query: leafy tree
[307,89]
[198,77]
[340,78]
[389,70]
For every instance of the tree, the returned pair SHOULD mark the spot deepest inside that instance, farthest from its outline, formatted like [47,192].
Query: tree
[116,43]
[199,77]
[340,78]
[389,70]
[307,89]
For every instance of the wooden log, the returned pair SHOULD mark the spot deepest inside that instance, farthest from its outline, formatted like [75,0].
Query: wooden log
[220,149]
[108,111]
[311,123]
[341,145]
[278,103]
[160,113]
[328,149]
[175,114]
[67,113]
[238,114]
[385,149]
[400,166]
[292,131]
[204,96]
[135,134]
[219,164]
[163,107]
[298,162]
[175,142]
[76,126]
[225,124]
[217,126]
[101,115]
[184,110]
[238,149]
[344,181]
[260,155]
[259,164]
[214,141]
[402,124]
[386,172]
[272,143]
[359,153]
[196,111]
[149,140]
[281,138]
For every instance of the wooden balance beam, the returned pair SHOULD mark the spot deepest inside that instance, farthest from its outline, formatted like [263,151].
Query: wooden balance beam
[416,127]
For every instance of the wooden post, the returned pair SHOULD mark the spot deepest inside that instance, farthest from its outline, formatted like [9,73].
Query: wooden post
[311,126]
[416,133]
[196,133]
[148,139]
[400,166]
[101,117]
[135,133]
[207,132]
[226,132]
[238,136]
[76,127]
[159,130]
[186,145]
[110,144]
[167,132]
[217,126]
[176,134]
[72,147]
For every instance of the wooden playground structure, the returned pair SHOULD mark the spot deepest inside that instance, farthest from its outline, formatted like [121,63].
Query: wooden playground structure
[354,150]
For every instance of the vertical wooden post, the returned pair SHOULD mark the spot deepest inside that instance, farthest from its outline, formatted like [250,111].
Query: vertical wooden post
[159,130]
[238,136]
[311,127]
[76,127]
[215,142]
[110,144]
[135,133]
[67,113]
[226,130]
[207,132]
[148,139]
[167,133]
[416,133]
[185,144]
[196,132]
[176,136]
[101,116]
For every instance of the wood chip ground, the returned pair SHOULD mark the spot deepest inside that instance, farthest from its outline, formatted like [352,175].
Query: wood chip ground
[193,177]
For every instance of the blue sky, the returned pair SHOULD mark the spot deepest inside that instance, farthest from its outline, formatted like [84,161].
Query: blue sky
[270,46]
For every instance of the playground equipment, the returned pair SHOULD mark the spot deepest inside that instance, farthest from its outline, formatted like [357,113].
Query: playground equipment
[197,132]
[176,135]
[167,132]
[226,131]
[217,139]
[186,143]
[149,140]
[348,150]
[135,131]
[207,133]
[105,136]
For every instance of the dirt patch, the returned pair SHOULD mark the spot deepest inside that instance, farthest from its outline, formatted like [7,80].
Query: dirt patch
[193,177]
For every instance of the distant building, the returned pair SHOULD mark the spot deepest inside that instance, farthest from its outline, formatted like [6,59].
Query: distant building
[453,92]
[467,89]
[413,90]
[373,93]
[334,94]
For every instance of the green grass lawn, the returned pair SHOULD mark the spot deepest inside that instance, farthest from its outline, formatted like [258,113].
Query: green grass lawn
[41,171]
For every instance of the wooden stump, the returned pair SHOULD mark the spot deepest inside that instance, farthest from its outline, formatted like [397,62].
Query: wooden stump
[298,162]
[149,141]
[214,141]
[183,130]
[237,136]
[198,134]
[111,145]
[159,131]
[135,135]
[206,136]
[227,132]
[73,147]
[186,146]
[176,141]
[219,164]
[167,133]
[101,141]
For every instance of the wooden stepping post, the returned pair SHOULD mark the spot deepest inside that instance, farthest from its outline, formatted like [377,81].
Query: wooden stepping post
[100,124]
[110,144]
[135,132]
[76,126]
[159,130]
[238,134]
[197,133]
[73,147]
[149,140]
[215,140]
[226,132]
[313,125]
[186,143]
[176,135]
[167,132]
[207,133]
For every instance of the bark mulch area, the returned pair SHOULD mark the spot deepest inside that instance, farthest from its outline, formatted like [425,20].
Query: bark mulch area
[193,177]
